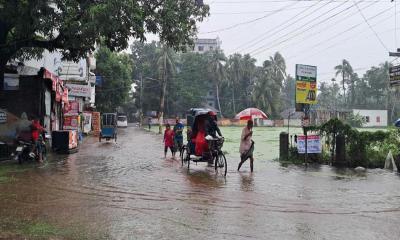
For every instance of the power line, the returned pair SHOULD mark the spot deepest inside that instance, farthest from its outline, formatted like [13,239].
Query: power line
[247,22]
[260,50]
[369,25]
[282,26]
[255,12]
[338,35]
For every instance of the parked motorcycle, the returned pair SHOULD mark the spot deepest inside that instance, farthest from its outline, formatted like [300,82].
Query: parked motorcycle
[24,152]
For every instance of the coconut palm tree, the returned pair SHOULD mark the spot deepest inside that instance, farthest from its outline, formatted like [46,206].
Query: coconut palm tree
[269,83]
[345,70]
[166,69]
[235,70]
[217,71]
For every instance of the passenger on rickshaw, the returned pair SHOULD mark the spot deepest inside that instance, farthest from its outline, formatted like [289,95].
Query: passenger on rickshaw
[203,126]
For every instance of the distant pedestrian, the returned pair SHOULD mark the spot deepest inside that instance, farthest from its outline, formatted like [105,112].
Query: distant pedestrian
[178,131]
[149,122]
[247,145]
[169,141]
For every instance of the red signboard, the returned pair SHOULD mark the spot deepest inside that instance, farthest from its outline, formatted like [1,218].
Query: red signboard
[72,108]
[71,122]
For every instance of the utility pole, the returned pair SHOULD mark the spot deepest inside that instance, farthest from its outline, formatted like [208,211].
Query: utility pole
[141,101]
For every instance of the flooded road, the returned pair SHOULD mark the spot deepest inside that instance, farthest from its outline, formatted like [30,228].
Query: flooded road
[128,191]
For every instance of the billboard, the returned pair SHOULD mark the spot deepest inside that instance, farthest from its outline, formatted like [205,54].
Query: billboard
[394,73]
[306,84]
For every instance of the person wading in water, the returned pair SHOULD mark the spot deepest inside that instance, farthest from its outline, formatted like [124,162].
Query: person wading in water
[247,145]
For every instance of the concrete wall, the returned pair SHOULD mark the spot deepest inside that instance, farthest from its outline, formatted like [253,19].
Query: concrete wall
[373,118]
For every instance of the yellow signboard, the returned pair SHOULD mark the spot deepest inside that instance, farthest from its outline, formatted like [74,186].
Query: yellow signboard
[306,92]
[306,84]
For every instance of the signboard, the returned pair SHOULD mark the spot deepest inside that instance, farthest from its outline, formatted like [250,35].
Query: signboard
[394,74]
[72,108]
[96,122]
[3,117]
[87,122]
[73,139]
[306,84]
[99,81]
[11,82]
[73,71]
[313,144]
[71,122]
[77,90]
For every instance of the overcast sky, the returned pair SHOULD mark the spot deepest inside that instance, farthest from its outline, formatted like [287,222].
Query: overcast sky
[315,32]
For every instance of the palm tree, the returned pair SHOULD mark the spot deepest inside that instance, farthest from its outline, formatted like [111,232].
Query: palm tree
[235,68]
[166,69]
[268,85]
[217,71]
[345,70]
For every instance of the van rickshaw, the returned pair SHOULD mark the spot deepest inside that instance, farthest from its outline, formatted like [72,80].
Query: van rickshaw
[201,147]
[108,126]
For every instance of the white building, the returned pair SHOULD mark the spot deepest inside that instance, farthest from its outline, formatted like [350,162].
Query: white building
[373,118]
[202,45]
[77,75]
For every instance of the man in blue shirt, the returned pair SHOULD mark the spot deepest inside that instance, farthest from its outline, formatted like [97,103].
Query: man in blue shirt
[178,130]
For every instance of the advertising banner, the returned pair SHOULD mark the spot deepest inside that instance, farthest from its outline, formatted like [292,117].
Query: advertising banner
[394,73]
[73,139]
[87,122]
[306,84]
[77,90]
[96,122]
[71,122]
[72,108]
[313,144]
[3,116]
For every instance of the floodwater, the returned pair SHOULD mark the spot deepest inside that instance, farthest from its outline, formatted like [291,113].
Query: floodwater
[128,191]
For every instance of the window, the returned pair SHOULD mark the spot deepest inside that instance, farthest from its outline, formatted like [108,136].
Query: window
[211,48]
[367,119]
[378,119]
[200,48]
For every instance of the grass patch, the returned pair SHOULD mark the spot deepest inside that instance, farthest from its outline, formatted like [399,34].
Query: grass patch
[7,168]
[13,229]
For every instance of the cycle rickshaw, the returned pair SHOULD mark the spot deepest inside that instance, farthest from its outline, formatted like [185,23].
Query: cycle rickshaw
[200,146]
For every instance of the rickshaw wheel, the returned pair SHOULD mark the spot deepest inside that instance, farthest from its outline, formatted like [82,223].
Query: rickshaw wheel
[220,164]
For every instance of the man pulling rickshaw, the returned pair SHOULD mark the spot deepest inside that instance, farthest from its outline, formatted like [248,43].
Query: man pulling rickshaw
[204,145]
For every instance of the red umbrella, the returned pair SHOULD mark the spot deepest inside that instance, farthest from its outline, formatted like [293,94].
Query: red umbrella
[251,113]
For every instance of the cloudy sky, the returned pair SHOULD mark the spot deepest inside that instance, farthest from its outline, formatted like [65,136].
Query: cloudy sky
[313,32]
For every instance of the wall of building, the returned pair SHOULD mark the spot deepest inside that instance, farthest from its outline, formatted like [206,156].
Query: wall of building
[373,118]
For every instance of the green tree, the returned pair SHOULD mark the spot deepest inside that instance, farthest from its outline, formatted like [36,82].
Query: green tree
[267,90]
[74,27]
[166,69]
[235,71]
[217,71]
[345,70]
[116,70]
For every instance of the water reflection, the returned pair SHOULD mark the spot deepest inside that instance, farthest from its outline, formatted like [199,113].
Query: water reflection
[246,182]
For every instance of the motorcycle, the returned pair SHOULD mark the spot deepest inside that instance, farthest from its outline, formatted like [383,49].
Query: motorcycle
[24,152]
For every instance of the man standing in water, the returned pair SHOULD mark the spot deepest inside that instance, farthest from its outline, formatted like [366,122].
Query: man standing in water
[178,130]
[247,145]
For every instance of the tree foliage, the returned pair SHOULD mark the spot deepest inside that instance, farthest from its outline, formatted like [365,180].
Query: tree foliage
[74,27]
[116,71]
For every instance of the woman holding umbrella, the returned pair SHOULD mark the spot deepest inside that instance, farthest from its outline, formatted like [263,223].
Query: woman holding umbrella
[246,143]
